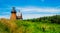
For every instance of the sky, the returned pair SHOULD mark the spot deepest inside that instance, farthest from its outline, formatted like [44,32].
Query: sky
[30,8]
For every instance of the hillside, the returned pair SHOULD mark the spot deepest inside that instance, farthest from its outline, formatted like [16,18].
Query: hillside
[49,19]
[29,26]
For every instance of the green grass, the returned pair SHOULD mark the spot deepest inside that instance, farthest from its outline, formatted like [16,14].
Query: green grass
[39,27]
[31,27]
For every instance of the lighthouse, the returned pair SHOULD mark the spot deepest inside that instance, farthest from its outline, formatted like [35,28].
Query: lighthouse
[13,14]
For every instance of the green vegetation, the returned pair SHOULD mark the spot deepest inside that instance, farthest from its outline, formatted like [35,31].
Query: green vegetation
[39,25]
[50,19]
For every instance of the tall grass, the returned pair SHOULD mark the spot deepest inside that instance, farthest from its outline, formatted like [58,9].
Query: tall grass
[19,26]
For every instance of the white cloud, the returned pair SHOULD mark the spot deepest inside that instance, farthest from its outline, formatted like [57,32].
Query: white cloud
[39,9]
[31,16]
[5,16]
[5,12]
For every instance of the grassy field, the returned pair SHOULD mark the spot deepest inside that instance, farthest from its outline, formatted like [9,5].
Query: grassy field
[19,26]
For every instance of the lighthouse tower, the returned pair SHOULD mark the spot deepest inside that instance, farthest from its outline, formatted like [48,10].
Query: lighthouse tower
[13,14]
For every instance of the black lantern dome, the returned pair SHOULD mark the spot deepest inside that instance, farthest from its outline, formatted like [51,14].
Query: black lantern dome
[13,10]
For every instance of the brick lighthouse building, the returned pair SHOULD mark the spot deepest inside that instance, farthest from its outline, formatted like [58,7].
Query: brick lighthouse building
[15,15]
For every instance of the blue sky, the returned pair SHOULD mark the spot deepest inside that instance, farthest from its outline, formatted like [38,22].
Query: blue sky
[30,8]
